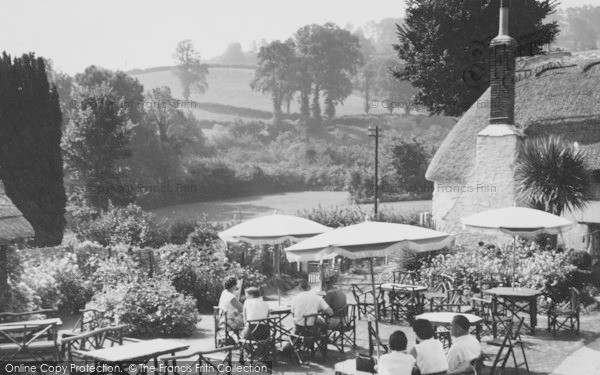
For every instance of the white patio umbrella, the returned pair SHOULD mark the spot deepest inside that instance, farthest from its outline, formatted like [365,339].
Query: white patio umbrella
[517,221]
[273,230]
[367,240]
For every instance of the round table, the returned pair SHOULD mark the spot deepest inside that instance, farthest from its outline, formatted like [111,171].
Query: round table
[445,318]
[509,298]
[389,287]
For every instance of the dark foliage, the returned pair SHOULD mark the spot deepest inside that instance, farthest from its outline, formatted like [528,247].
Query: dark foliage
[31,164]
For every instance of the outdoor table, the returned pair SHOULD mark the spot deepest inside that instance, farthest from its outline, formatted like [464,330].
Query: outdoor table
[509,298]
[348,367]
[444,319]
[279,313]
[139,353]
[404,297]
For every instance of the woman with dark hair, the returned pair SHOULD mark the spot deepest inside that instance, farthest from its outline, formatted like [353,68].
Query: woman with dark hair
[229,304]
[429,352]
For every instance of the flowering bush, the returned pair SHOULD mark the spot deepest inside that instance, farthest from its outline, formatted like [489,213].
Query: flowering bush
[200,272]
[151,307]
[58,282]
[547,271]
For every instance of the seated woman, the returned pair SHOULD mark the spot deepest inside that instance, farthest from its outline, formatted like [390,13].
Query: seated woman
[428,352]
[255,309]
[229,304]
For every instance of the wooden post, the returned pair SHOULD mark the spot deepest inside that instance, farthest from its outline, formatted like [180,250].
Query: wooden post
[3,277]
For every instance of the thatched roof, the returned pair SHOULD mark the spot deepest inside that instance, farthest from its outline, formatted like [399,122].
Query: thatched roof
[553,100]
[13,226]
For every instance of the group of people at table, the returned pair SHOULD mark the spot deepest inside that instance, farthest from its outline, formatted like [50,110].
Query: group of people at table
[427,355]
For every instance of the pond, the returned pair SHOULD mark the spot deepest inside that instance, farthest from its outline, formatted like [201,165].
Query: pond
[287,203]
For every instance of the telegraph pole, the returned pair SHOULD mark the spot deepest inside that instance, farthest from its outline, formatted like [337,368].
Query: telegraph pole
[374,132]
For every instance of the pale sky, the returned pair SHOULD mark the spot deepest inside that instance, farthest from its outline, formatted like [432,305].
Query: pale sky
[127,34]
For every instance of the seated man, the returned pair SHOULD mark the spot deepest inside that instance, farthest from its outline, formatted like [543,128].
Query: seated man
[465,347]
[396,362]
[336,299]
[308,303]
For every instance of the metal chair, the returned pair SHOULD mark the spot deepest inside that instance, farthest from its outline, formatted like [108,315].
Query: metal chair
[374,337]
[343,332]
[404,277]
[366,299]
[511,339]
[259,346]
[566,314]
[404,300]
[491,319]
[205,361]
[225,334]
[309,338]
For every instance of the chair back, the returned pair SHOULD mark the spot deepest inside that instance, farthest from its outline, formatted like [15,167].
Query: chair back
[97,339]
[574,299]
[363,293]
[92,319]
[404,277]
[261,326]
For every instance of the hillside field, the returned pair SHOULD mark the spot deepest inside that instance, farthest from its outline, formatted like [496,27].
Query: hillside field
[232,87]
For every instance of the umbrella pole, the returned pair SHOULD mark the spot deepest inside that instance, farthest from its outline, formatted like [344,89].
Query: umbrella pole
[514,262]
[376,306]
[278,273]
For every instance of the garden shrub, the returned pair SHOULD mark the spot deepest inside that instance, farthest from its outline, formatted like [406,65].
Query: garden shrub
[547,271]
[124,225]
[199,272]
[179,229]
[151,307]
[58,282]
[341,216]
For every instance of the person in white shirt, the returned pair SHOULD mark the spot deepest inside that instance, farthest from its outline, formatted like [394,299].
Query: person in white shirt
[465,347]
[396,362]
[308,303]
[255,309]
[428,352]
[229,304]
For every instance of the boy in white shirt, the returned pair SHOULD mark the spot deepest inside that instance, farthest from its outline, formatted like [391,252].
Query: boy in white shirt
[255,309]
[396,362]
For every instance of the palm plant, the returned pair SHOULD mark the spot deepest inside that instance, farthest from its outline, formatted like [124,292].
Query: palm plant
[551,175]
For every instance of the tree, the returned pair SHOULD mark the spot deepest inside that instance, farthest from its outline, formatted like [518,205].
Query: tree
[276,73]
[445,46]
[175,134]
[391,92]
[124,88]
[95,144]
[332,56]
[551,175]
[365,73]
[190,70]
[582,27]
[409,160]
[233,55]
[31,164]
[384,34]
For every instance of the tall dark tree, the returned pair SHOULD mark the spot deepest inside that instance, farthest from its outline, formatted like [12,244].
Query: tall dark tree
[332,56]
[444,45]
[31,165]
[276,73]
[95,144]
[190,70]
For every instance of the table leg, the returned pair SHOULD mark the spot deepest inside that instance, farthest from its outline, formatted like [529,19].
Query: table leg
[533,313]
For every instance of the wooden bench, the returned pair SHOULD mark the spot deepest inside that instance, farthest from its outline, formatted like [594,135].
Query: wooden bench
[29,340]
